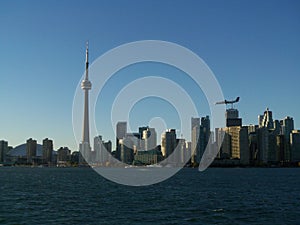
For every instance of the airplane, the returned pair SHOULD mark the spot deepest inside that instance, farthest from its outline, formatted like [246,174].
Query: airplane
[229,102]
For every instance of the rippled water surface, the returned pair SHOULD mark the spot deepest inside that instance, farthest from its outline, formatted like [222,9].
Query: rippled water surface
[215,196]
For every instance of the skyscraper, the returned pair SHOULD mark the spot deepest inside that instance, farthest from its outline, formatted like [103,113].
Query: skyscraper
[3,150]
[266,120]
[232,118]
[287,126]
[63,155]
[121,133]
[98,148]
[47,150]
[295,146]
[204,135]
[86,85]
[149,137]
[168,142]
[31,147]
[195,133]
[126,150]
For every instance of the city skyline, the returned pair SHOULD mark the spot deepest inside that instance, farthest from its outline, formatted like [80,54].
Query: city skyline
[270,142]
[197,120]
[252,48]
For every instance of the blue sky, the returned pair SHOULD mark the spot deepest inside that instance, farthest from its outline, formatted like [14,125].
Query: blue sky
[251,46]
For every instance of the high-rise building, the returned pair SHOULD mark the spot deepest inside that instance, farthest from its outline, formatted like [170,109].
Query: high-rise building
[63,155]
[121,129]
[287,126]
[102,150]
[232,113]
[295,146]
[136,140]
[86,85]
[195,134]
[47,150]
[181,145]
[263,144]
[253,147]
[272,150]
[121,132]
[266,138]
[280,148]
[108,146]
[142,142]
[260,120]
[150,138]
[277,127]
[252,128]
[31,146]
[204,136]
[266,120]
[98,148]
[232,118]
[3,150]
[168,142]
[236,144]
[126,153]
[188,148]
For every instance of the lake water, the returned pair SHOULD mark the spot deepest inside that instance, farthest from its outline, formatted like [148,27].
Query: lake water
[215,196]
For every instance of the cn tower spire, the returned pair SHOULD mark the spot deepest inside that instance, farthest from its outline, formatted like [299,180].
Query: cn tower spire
[86,85]
[87,61]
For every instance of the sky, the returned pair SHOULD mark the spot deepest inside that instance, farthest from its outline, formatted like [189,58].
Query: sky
[252,47]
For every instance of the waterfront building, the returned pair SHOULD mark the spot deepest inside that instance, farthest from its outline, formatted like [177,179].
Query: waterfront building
[287,126]
[280,148]
[272,150]
[63,155]
[98,149]
[168,142]
[3,150]
[204,136]
[102,150]
[183,153]
[121,132]
[235,144]
[268,151]
[108,146]
[136,139]
[75,158]
[126,150]
[47,151]
[150,138]
[295,146]
[147,157]
[31,146]
[253,148]
[263,144]
[195,134]
[142,142]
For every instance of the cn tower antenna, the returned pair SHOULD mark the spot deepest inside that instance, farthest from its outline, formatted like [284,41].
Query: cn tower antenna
[87,61]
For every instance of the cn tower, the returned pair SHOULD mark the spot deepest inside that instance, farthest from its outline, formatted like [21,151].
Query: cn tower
[86,85]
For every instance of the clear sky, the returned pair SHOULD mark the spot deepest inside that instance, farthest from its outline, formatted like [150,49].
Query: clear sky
[251,46]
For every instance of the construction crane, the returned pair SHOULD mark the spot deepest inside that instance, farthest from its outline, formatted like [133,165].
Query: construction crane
[226,102]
